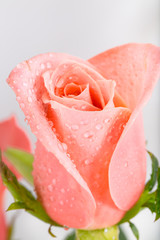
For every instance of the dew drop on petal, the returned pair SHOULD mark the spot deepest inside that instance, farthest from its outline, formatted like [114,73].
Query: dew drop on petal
[54,181]
[106,120]
[24,84]
[98,126]
[22,105]
[88,135]
[126,164]
[75,127]
[50,188]
[42,66]
[64,146]
[85,122]
[29,99]
[51,198]
[86,161]
[62,190]
[61,202]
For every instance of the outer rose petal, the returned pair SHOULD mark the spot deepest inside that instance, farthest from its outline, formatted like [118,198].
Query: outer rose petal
[89,139]
[11,135]
[127,170]
[63,198]
[134,67]
[26,78]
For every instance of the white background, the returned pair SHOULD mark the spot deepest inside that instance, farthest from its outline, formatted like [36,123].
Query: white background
[82,28]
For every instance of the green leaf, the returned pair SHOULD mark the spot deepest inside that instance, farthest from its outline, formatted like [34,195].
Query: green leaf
[102,234]
[122,236]
[22,161]
[17,205]
[71,236]
[23,197]
[151,183]
[134,230]
[158,197]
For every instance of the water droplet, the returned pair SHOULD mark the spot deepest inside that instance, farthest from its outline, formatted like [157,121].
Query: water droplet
[85,122]
[88,135]
[105,230]
[24,84]
[50,124]
[54,181]
[22,105]
[49,65]
[70,77]
[62,190]
[106,120]
[29,99]
[59,83]
[86,161]
[75,127]
[42,66]
[98,126]
[71,205]
[83,107]
[126,164]
[49,170]
[18,90]
[51,198]
[97,148]
[18,98]
[72,198]
[66,228]
[64,146]
[38,126]
[61,202]
[50,188]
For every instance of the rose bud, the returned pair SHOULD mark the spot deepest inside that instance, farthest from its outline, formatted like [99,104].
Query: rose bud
[90,157]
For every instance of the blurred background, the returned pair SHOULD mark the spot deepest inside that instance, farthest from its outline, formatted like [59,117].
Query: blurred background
[83,28]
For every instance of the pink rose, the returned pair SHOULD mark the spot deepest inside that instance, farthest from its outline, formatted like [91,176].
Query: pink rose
[11,135]
[90,157]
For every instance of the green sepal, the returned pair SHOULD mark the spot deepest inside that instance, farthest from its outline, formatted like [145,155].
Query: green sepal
[71,236]
[23,197]
[22,162]
[102,234]
[122,235]
[151,183]
[158,197]
[134,230]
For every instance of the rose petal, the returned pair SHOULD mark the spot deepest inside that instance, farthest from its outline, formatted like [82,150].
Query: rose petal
[127,170]
[107,89]
[28,86]
[64,199]
[75,73]
[107,214]
[75,102]
[13,136]
[90,138]
[134,68]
